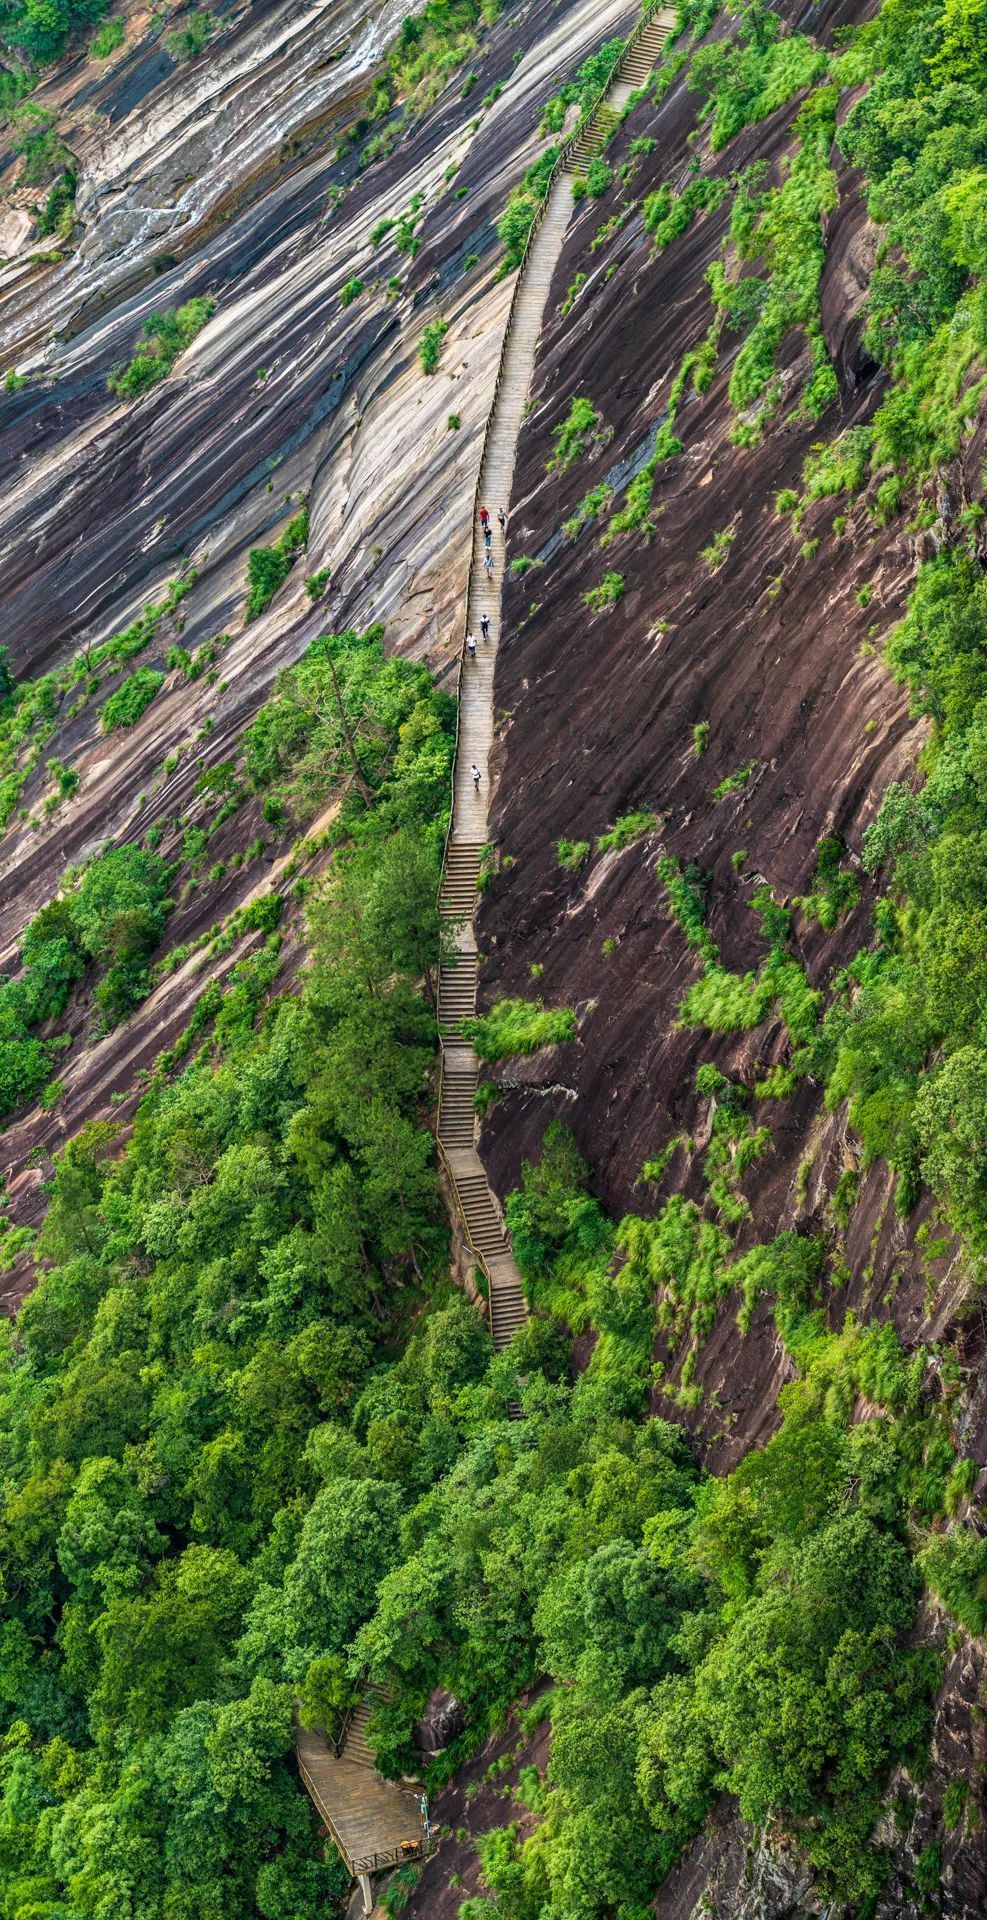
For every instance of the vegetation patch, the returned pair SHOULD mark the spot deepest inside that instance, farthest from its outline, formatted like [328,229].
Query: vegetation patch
[125,707]
[268,567]
[515,1027]
[522,210]
[581,429]
[630,827]
[430,344]
[162,338]
[602,598]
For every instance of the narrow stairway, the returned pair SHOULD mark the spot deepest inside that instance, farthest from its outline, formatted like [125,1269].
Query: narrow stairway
[374,1823]
[469,838]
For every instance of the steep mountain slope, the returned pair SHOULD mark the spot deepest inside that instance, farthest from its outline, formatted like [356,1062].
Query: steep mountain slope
[707,1623]
[110,501]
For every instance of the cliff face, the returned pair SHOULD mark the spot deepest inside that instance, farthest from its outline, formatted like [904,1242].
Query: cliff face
[220,179]
[777,646]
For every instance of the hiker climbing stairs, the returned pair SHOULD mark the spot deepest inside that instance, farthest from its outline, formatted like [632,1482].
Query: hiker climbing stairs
[468,838]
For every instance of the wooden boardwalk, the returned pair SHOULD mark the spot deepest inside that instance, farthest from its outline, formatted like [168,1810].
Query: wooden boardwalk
[373,1823]
[469,833]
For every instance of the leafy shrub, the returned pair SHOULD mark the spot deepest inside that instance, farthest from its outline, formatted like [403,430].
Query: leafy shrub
[268,567]
[187,43]
[572,853]
[686,890]
[522,210]
[347,721]
[518,1027]
[162,338]
[125,707]
[430,344]
[586,86]
[596,181]
[955,1566]
[316,583]
[430,46]
[350,291]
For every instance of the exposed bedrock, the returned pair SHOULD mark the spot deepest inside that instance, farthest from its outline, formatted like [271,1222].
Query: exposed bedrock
[772,649]
[285,395]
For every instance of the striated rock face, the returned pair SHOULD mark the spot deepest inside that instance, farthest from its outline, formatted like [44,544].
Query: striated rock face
[286,395]
[773,649]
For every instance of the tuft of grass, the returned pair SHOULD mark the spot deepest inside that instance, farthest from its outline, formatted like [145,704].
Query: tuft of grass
[514,1027]
[630,826]
[106,41]
[734,782]
[430,344]
[715,554]
[572,853]
[582,428]
[611,588]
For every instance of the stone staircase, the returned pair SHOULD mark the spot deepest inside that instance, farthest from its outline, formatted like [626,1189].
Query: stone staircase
[355,1750]
[374,1823]
[469,835]
[637,63]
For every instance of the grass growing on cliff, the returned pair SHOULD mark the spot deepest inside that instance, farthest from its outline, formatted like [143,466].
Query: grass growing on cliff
[125,707]
[630,827]
[268,567]
[514,1027]
[30,710]
[162,338]
[107,39]
[602,598]
[430,344]
[581,429]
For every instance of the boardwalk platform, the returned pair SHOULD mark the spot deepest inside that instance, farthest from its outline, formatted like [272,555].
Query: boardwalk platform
[372,1822]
